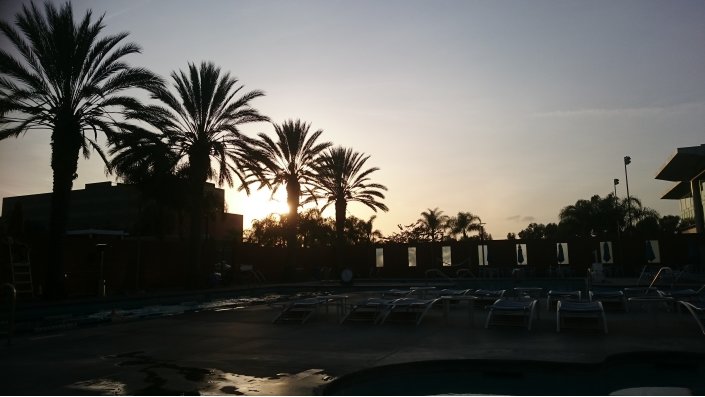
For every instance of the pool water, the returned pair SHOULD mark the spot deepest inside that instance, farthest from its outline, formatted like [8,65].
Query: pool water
[508,377]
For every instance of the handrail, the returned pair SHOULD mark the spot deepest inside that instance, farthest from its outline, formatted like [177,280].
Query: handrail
[658,273]
[13,302]
[588,282]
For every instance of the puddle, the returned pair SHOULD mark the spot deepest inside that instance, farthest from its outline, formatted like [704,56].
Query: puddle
[144,375]
[104,387]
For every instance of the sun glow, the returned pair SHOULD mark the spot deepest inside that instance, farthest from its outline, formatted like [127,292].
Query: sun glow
[258,205]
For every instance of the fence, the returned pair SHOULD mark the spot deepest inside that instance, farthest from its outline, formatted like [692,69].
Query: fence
[137,265]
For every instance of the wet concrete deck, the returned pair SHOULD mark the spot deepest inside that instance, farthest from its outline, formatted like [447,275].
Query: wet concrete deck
[241,352]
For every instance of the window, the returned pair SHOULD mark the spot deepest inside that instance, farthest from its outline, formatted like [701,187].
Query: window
[482,258]
[562,254]
[652,253]
[412,256]
[379,256]
[522,258]
[445,256]
[606,253]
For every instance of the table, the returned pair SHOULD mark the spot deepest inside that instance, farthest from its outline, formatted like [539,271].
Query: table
[341,304]
[447,299]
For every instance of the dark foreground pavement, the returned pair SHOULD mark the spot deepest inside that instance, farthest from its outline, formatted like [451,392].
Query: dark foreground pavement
[241,352]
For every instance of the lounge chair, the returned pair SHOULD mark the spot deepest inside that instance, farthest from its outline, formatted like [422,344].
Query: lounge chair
[631,292]
[697,309]
[687,294]
[300,310]
[609,298]
[415,308]
[485,297]
[396,293]
[370,310]
[555,295]
[505,312]
[523,293]
[566,309]
[451,292]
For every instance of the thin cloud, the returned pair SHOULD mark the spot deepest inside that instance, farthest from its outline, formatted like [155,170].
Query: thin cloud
[528,219]
[514,218]
[126,10]
[620,112]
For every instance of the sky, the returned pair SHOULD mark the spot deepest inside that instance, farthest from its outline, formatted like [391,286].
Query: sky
[511,110]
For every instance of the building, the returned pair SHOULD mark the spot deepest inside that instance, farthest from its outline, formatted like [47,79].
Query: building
[686,167]
[119,210]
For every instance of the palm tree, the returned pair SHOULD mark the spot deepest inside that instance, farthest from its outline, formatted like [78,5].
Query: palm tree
[70,82]
[433,221]
[464,223]
[342,179]
[201,122]
[145,159]
[288,162]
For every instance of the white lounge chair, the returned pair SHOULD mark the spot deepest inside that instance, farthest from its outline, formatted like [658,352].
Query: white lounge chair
[370,310]
[697,309]
[612,297]
[566,309]
[505,312]
[487,297]
[416,308]
[300,310]
[555,295]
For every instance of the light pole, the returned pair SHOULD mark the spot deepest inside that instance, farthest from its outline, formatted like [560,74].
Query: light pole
[628,160]
[616,182]
[482,243]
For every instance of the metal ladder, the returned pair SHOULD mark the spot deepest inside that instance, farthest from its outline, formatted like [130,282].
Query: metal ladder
[21,269]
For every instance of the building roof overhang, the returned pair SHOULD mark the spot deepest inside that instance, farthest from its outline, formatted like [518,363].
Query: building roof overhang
[684,165]
[678,191]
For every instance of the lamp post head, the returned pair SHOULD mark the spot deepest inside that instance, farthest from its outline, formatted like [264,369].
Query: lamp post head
[616,181]
[627,160]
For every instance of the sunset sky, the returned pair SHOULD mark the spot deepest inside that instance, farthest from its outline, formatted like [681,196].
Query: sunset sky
[508,109]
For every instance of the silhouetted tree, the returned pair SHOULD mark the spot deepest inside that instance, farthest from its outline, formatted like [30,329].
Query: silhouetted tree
[511,236]
[598,217]
[287,162]
[433,222]
[411,233]
[341,179]
[535,231]
[670,224]
[202,121]
[464,223]
[315,230]
[267,232]
[359,231]
[68,80]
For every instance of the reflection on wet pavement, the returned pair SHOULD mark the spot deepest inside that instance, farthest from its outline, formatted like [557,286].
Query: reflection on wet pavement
[149,376]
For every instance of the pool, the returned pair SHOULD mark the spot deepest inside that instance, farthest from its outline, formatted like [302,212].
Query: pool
[60,316]
[510,377]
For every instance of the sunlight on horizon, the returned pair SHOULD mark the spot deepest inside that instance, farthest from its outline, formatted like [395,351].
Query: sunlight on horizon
[258,205]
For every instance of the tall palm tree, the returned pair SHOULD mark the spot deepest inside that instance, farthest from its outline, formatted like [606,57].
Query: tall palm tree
[69,81]
[146,160]
[433,221]
[464,223]
[287,162]
[342,179]
[201,121]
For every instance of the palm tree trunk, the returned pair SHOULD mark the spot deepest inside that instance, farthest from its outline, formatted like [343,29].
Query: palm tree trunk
[340,209]
[65,147]
[293,193]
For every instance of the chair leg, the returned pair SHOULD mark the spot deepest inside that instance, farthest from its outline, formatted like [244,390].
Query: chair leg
[489,317]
